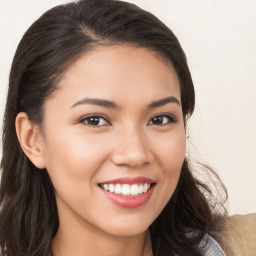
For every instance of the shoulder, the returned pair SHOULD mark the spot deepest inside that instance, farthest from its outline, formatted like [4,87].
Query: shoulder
[207,245]
[211,247]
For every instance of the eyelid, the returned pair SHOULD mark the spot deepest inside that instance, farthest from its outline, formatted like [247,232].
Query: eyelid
[171,118]
[84,118]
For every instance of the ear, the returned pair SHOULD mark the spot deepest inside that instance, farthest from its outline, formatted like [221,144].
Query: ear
[30,139]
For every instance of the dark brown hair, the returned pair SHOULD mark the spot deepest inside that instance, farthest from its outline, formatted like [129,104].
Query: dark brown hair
[28,217]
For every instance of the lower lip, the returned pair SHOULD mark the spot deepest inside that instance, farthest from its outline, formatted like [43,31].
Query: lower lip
[129,201]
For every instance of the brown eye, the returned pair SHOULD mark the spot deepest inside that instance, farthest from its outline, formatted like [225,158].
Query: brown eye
[158,120]
[95,121]
[161,120]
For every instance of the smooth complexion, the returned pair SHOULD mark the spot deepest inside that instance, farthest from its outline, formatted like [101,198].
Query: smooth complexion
[116,115]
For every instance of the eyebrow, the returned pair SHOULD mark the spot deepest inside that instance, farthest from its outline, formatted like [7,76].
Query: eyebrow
[163,102]
[111,104]
[98,102]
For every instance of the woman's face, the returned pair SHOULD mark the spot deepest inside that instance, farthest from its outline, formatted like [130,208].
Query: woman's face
[114,140]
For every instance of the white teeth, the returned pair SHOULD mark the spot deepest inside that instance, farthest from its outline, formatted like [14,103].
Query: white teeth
[141,189]
[126,189]
[111,188]
[118,189]
[135,190]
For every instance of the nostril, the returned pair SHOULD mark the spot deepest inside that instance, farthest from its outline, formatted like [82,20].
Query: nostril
[131,159]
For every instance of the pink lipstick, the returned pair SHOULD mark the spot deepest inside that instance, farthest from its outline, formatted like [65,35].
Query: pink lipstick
[128,192]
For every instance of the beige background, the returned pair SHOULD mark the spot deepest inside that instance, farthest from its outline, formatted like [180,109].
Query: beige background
[219,38]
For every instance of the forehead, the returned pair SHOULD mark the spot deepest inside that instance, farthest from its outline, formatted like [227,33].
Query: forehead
[121,70]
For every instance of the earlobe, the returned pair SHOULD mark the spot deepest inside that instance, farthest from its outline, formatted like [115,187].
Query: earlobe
[30,140]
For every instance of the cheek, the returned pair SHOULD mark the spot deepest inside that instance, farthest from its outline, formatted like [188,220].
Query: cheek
[171,156]
[73,161]
[72,165]
[172,152]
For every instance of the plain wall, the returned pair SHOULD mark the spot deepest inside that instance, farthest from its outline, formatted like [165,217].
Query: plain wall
[219,38]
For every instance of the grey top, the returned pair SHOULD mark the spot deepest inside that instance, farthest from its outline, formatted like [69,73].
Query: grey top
[208,245]
[212,248]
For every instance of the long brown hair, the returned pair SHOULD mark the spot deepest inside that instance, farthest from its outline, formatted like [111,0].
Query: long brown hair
[28,217]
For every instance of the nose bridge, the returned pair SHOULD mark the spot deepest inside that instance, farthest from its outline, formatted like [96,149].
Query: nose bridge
[131,147]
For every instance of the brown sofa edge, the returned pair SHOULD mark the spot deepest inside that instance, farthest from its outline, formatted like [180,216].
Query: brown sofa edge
[239,235]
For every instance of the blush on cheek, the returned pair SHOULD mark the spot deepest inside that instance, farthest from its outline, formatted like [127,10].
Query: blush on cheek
[174,156]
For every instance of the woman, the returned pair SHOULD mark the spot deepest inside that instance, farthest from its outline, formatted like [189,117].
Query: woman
[94,140]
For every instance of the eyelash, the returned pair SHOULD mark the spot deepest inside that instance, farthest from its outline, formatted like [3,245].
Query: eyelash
[170,119]
[86,118]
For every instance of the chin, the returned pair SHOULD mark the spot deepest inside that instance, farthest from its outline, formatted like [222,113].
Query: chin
[128,227]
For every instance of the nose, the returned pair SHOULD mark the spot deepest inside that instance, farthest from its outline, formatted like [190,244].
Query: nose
[131,149]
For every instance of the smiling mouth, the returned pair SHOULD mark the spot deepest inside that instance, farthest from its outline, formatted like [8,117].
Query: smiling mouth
[128,192]
[127,189]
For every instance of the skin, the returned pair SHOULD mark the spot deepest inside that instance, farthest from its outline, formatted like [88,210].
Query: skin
[126,143]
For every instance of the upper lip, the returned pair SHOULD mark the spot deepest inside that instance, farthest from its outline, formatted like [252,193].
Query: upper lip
[129,180]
